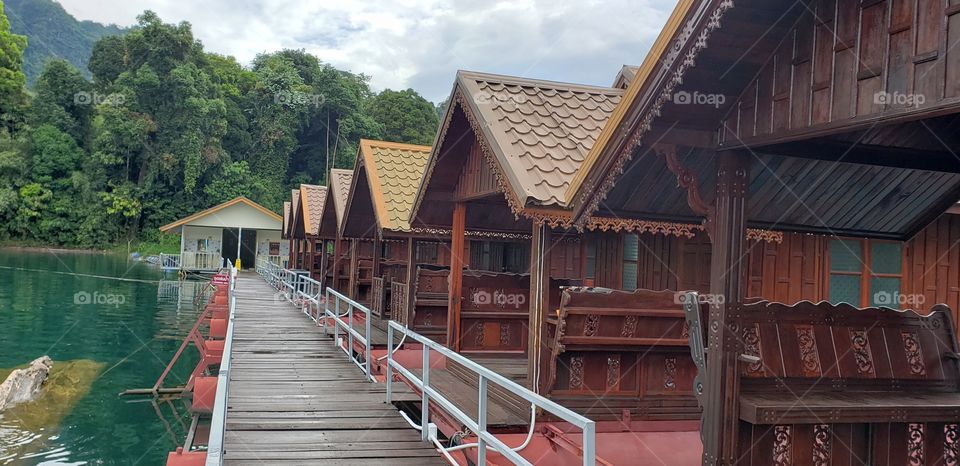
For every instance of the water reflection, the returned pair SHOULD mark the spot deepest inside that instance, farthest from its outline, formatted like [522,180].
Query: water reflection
[99,349]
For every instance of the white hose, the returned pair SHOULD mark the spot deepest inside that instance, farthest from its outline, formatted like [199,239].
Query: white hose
[404,337]
[533,421]
[409,421]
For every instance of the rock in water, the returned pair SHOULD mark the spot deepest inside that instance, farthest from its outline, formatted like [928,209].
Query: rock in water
[24,384]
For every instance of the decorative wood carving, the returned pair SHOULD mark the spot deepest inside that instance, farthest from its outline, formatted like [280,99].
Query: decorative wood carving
[751,346]
[613,372]
[915,444]
[629,327]
[685,331]
[861,352]
[576,372]
[505,333]
[685,179]
[911,347]
[809,356]
[822,446]
[951,445]
[591,325]
[686,230]
[670,373]
[782,446]
[479,334]
[768,236]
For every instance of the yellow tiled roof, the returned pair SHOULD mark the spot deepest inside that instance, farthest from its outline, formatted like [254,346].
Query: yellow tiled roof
[312,198]
[394,171]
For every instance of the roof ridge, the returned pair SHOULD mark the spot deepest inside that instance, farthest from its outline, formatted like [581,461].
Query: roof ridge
[477,75]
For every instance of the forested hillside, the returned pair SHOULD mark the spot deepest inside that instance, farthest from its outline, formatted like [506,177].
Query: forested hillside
[165,128]
[53,34]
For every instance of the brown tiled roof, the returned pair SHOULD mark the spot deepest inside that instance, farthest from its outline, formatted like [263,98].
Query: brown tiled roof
[394,171]
[312,198]
[540,131]
[294,211]
[340,180]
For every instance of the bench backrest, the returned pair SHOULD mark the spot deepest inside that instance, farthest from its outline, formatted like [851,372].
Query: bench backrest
[631,347]
[871,348]
[428,316]
[495,308]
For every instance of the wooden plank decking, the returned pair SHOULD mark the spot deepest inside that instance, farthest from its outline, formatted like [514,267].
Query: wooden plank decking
[296,398]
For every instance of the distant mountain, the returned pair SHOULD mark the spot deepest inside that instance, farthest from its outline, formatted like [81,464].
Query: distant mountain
[53,33]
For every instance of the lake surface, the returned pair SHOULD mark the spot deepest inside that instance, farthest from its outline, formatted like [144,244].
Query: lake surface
[109,325]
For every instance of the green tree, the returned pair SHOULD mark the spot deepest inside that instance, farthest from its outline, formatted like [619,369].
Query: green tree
[12,80]
[63,99]
[405,116]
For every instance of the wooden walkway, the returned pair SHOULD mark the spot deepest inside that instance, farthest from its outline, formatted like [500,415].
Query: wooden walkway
[296,398]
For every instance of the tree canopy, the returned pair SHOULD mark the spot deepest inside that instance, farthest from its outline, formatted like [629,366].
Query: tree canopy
[165,128]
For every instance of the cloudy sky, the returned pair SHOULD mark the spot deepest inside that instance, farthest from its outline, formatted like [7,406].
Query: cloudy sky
[419,43]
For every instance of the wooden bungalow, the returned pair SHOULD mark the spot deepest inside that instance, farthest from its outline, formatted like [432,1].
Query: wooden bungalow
[387,252]
[297,239]
[834,125]
[305,227]
[336,249]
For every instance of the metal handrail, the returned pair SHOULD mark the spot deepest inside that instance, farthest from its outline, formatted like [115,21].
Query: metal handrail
[309,292]
[352,334]
[479,426]
[218,421]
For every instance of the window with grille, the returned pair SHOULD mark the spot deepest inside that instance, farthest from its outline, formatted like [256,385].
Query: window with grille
[865,272]
[497,256]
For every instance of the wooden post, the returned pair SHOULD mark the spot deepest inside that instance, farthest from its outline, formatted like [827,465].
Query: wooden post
[354,269]
[324,263]
[377,253]
[456,274]
[727,229]
[337,251]
[411,278]
[539,297]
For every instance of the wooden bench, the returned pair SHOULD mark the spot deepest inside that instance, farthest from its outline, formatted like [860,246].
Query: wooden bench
[429,314]
[826,382]
[617,355]
[495,308]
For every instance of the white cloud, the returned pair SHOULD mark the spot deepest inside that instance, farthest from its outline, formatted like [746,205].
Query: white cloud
[419,44]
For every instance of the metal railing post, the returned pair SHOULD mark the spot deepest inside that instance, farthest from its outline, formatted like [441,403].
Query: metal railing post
[326,310]
[336,327]
[589,444]
[425,401]
[350,327]
[482,421]
[366,338]
[389,361]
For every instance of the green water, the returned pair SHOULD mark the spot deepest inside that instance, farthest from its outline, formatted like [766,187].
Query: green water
[105,336]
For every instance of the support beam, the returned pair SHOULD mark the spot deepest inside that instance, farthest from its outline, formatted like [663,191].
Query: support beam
[539,297]
[337,265]
[407,318]
[727,229]
[456,274]
[354,269]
